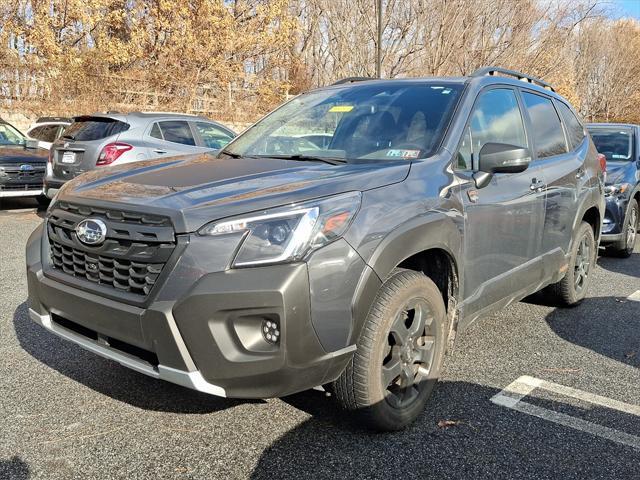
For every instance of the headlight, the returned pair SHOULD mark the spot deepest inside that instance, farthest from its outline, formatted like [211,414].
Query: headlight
[619,189]
[287,234]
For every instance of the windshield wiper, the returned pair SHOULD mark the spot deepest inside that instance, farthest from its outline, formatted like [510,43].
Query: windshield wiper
[309,158]
[230,154]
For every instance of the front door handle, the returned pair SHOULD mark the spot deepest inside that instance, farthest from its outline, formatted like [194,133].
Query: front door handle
[537,185]
[580,173]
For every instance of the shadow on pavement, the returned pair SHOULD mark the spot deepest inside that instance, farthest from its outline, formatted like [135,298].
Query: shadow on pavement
[627,266]
[485,441]
[609,326]
[14,469]
[108,377]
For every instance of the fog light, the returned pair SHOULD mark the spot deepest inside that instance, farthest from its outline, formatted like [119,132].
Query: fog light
[271,331]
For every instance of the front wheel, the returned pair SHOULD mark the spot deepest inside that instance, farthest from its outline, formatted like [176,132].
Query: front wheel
[399,355]
[572,289]
[624,248]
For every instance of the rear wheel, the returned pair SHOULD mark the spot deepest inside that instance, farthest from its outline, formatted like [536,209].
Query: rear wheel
[624,248]
[572,289]
[399,356]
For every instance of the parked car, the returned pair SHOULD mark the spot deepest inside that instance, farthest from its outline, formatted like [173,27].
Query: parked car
[620,144]
[46,129]
[111,139]
[270,268]
[22,165]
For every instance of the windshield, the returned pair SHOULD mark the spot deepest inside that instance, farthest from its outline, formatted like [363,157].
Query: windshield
[10,135]
[400,121]
[614,143]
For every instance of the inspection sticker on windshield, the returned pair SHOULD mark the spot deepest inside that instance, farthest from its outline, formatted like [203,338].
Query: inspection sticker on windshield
[341,108]
[403,153]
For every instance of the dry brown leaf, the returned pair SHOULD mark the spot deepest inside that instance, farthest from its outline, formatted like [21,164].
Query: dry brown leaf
[448,423]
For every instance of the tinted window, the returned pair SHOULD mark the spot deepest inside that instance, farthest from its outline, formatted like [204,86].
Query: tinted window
[613,143]
[374,121]
[497,119]
[212,136]
[575,130]
[177,132]
[45,133]
[155,131]
[94,128]
[547,129]
[463,161]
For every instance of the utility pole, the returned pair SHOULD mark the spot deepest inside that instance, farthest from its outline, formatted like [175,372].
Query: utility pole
[379,41]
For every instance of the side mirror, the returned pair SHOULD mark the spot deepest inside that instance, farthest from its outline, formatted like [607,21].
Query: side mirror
[503,158]
[31,144]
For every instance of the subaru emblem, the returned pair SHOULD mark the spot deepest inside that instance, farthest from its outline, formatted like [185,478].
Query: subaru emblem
[26,168]
[91,231]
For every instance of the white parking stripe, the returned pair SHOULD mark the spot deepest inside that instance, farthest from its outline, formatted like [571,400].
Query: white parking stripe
[512,397]
[634,296]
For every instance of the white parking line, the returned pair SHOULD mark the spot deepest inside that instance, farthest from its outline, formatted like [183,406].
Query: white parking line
[634,296]
[512,397]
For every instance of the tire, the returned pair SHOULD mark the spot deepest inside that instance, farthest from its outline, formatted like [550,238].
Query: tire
[43,200]
[400,354]
[624,248]
[572,289]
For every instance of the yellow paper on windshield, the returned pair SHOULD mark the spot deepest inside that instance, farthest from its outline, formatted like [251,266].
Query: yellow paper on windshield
[341,108]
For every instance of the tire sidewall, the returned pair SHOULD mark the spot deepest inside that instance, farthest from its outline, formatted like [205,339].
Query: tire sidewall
[417,286]
[584,230]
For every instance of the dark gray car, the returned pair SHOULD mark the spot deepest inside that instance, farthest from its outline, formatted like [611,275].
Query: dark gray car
[283,263]
[111,139]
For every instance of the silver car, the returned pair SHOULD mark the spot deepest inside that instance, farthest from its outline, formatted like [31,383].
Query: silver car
[100,140]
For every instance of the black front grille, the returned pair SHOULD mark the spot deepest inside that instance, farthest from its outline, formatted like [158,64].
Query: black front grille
[131,258]
[13,177]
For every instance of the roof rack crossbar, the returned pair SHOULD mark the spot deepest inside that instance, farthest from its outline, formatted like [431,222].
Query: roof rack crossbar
[353,80]
[481,72]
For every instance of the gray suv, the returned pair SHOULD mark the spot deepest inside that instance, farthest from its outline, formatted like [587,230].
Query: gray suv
[280,264]
[101,140]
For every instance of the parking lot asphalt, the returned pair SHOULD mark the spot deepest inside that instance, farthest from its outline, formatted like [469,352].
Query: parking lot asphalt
[66,413]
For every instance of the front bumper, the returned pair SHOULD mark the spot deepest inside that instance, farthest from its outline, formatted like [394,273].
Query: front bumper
[203,330]
[613,222]
[32,192]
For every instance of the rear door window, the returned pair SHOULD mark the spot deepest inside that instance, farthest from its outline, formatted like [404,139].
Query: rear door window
[548,135]
[94,128]
[177,131]
[575,130]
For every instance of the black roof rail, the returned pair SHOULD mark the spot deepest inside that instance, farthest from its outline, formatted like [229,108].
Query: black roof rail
[53,119]
[353,80]
[481,72]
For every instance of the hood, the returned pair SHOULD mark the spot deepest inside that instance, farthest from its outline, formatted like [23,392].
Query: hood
[621,172]
[19,154]
[197,189]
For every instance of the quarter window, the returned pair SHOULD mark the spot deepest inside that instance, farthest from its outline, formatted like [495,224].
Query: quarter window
[547,129]
[155,131]
[177,132]
[575,130]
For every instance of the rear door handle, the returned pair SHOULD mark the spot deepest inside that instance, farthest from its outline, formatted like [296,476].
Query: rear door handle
[537,185]
[160,151]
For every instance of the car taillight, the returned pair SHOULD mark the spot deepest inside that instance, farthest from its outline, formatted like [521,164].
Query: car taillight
[111,152]
[603,162]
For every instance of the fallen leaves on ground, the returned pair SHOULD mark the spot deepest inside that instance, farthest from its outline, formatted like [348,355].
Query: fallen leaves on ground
[449,423]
